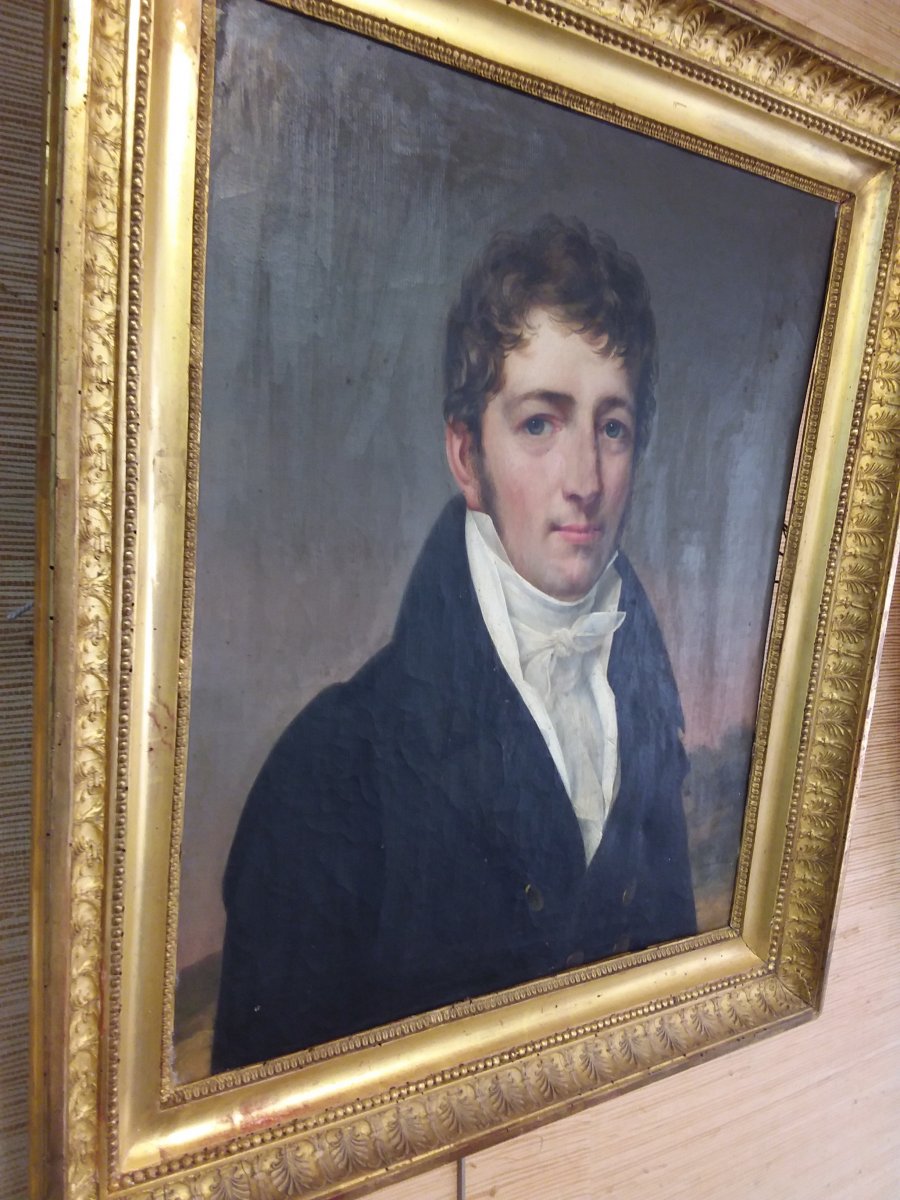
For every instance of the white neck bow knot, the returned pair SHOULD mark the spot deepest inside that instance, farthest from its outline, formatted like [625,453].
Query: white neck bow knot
[559,656]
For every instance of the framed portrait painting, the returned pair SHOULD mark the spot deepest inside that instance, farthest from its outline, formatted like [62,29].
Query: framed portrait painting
[470,505]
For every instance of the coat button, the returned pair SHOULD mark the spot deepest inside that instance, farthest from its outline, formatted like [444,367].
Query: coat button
[534,897]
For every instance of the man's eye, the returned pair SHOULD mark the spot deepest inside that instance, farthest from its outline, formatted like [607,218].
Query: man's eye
[614,429]
[536,426]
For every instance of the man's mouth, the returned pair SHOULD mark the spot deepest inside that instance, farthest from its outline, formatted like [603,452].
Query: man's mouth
[580,534]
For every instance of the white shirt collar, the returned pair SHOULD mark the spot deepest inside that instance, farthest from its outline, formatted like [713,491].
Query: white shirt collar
[529,604]
[579,726]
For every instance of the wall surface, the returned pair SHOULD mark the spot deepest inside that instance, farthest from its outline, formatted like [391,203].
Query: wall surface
[21,94]
[810,1113]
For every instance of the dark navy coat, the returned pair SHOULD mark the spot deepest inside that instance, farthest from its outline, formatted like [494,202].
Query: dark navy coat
[409,842]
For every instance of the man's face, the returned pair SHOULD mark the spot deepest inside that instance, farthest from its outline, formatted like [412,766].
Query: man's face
[555,467]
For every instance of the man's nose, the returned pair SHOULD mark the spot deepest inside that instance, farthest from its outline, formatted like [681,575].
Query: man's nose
[583,481]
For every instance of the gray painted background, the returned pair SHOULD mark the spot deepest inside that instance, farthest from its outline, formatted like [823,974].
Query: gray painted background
[351,185]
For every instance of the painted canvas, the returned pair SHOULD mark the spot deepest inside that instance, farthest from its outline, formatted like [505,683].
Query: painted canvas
[499,410]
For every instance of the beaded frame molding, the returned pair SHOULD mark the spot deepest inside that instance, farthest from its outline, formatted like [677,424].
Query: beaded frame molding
[128,127]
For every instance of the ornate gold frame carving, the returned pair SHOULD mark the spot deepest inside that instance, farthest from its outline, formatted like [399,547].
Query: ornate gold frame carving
[106,1112]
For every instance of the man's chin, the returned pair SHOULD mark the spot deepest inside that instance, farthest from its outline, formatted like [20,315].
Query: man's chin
[578,577]
[572,588]
[568,577]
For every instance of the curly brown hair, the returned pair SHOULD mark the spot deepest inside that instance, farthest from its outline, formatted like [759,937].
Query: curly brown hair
[595,288]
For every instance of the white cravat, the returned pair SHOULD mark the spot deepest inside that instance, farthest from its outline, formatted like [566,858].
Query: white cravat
[556,652]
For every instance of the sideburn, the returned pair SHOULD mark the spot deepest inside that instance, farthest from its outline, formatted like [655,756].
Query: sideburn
[486,492]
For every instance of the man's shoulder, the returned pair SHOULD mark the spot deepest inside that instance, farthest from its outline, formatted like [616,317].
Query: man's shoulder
[312,784]
[640,666]
[632,588]
[399,697]
[342,711]
[640,616]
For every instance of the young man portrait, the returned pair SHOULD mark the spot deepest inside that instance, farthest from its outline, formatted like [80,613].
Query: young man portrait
[496,795]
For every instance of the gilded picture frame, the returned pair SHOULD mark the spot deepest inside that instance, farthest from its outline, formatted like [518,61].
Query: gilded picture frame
[129,126]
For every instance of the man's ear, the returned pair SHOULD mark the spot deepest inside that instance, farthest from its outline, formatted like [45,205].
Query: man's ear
[462,457]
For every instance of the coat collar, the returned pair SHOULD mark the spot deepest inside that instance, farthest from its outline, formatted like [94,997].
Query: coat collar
[443,635]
